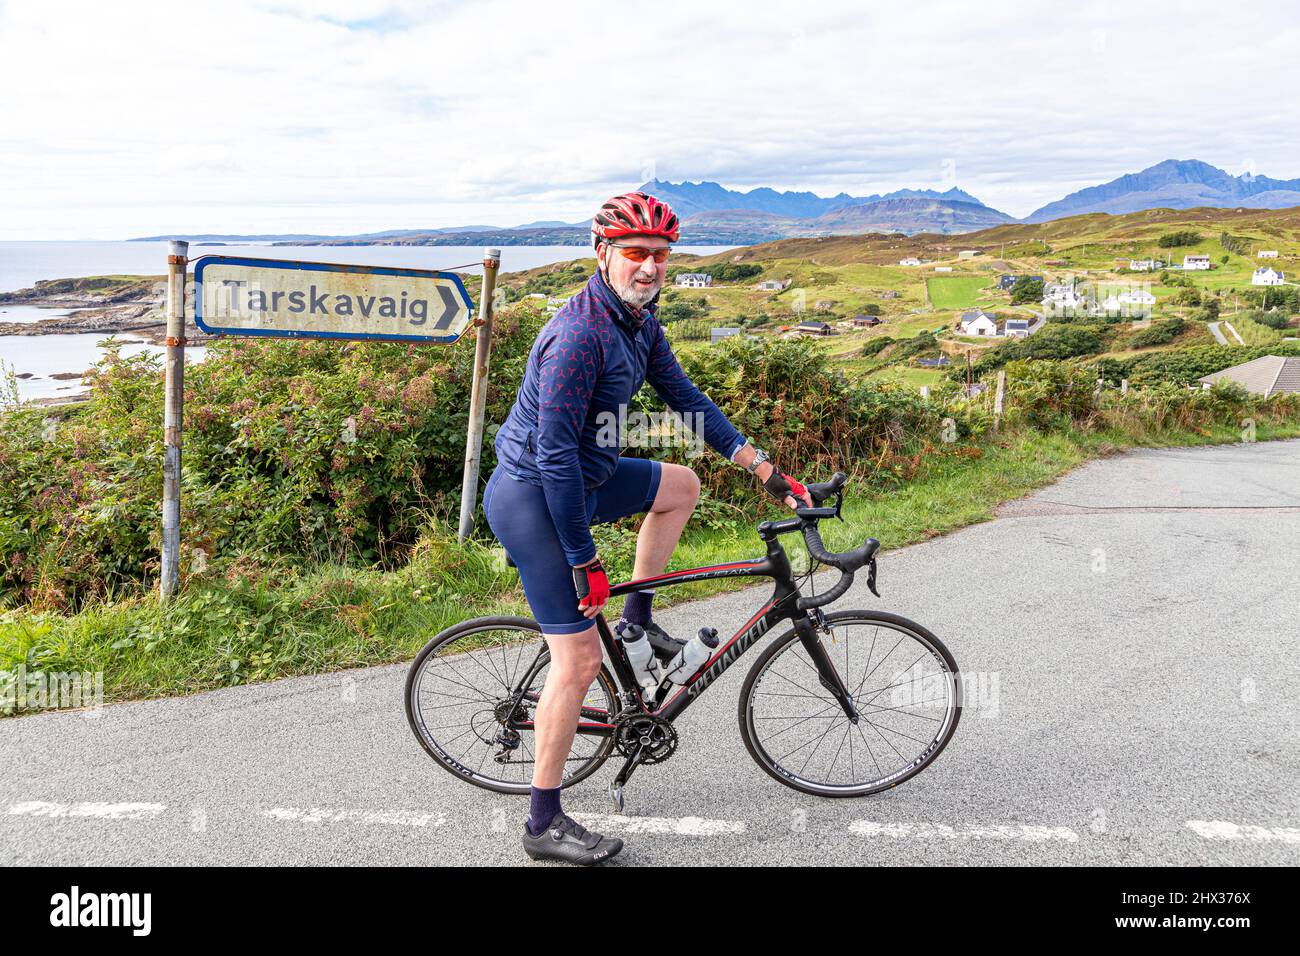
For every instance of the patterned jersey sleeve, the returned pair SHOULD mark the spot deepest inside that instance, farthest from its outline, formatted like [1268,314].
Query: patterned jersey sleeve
[666,377]
[567,374]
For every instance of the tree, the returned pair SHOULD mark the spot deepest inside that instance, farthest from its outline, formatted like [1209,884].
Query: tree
[1026,289]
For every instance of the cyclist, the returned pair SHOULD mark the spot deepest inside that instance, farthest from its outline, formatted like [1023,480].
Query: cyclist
[558,472]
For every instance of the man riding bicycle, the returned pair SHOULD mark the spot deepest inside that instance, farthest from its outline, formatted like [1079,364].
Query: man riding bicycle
[558,473]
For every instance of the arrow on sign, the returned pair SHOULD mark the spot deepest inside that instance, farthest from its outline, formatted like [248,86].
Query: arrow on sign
[451,307]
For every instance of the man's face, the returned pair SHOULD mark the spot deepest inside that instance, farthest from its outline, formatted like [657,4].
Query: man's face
[635,282]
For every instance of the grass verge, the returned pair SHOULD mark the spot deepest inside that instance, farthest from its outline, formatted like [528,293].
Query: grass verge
[226,632]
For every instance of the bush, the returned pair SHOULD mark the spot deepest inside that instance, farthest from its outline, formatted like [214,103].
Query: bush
[877,345]
[1054,341]
[1161,333]
[1173,240]
[680,310]
[1272,318]
[1026,289]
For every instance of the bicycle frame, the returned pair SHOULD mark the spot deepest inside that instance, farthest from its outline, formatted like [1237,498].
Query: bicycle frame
[672,700]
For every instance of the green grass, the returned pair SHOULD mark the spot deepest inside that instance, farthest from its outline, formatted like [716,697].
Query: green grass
[220,633]
[957,292]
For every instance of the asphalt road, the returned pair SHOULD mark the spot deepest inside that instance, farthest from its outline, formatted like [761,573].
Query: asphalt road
[1132,630]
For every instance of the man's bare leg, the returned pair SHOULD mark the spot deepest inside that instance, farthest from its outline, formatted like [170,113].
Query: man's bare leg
[575,662]
[679,490]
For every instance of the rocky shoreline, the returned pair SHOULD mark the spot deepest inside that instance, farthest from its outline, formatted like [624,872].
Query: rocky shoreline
[105,305]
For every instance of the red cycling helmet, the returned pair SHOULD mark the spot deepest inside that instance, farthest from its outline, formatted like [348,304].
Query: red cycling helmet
[634,213]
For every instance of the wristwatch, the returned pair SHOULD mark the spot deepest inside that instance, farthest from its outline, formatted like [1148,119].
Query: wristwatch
[760,456]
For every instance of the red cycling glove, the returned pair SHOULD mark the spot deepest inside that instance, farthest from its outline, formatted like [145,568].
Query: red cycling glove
[592,585]
[781,486]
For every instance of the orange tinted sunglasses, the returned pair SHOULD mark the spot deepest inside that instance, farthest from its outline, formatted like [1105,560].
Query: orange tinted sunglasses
[641,253]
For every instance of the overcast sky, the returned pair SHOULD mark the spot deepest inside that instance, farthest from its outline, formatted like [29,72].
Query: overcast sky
[341,116]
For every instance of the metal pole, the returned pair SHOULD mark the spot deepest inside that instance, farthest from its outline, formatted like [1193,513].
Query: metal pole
[999,397]
[173,416]
[478,394]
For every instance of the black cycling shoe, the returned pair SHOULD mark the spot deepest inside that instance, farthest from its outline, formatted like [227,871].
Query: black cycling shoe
[569,841]
[664,645]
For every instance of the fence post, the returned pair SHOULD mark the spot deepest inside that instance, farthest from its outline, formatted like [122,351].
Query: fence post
[998,398]
[173,417]
[478,394]
[1123,386]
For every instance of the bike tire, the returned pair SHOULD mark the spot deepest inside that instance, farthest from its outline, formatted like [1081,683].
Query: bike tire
[424,695]
[759,743]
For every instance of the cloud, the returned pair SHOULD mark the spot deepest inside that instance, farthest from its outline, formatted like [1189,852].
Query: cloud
[356,115]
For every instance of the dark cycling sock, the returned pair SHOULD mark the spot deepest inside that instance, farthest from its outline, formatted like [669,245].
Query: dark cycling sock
[543,808]
[637,608]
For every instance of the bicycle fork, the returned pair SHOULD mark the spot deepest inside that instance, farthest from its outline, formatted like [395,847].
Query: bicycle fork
[826,672]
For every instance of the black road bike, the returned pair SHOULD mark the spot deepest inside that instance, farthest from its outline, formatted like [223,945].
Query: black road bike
[843,704]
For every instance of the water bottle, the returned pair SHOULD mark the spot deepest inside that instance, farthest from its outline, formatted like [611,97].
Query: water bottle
[692,657]
[645,666]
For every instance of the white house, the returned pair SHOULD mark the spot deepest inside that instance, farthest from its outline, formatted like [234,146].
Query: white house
[694,280]
[1137,297]
[1267,254]
[978,322]
[1060,297]
[1267,276]
[1016,328]
[1142,265]
[911,261]
[771,285]
[1196,262]
[943,268]
[1112,305]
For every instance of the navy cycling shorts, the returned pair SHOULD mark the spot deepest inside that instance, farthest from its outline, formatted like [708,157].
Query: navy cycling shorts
[517,514]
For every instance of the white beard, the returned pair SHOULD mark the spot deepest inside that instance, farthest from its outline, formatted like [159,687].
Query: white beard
[635,295]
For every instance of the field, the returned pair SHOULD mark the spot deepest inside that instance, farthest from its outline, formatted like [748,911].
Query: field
[958,292]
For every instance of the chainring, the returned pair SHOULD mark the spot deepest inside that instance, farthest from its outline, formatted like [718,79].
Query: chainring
[654,736]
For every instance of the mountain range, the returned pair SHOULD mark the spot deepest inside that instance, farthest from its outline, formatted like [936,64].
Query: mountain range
[714,215]
[1174,184]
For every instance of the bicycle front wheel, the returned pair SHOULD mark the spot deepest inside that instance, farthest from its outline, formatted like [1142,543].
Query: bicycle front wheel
[905,686]
[471,686]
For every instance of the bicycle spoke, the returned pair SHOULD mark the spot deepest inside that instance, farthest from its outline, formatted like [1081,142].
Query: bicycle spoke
[492,678]
[894,726]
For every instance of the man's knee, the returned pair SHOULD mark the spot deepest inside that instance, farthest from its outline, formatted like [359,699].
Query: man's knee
[575,658]
[679,487]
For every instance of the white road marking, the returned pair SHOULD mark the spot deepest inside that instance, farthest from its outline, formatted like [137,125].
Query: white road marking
[1223,830]
[103,811]
[316,815]
[940,831]
[682,826]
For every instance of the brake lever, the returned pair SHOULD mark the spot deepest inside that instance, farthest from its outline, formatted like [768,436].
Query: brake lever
[839,503]
[871,577]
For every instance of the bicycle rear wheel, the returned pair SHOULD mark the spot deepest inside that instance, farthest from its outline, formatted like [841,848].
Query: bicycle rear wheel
[468,687]
[906,688]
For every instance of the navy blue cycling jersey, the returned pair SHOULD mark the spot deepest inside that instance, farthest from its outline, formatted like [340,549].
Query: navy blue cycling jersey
[587,363]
